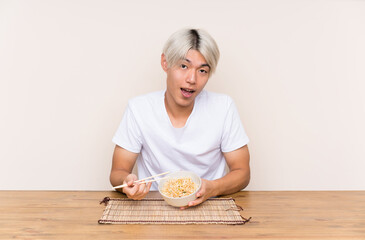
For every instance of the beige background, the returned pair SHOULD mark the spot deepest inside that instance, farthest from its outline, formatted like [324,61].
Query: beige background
[294,68]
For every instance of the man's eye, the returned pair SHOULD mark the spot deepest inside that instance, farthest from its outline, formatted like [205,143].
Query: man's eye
[183,66]
[203,71]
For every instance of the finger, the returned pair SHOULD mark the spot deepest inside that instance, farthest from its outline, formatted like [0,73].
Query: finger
[147,189]
[141,188]
[129,180]
[200,193]
[130,183]
[140,191]
[128,192]
[196,202]
[131,191]
[149,186]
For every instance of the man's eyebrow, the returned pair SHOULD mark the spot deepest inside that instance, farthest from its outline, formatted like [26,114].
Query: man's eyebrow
[203,65]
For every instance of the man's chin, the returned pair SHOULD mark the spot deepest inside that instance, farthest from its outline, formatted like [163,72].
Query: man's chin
[186,103]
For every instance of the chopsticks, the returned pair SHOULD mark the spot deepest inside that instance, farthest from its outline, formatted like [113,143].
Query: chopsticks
[144,180]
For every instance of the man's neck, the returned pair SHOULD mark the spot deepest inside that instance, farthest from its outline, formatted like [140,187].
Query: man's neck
[178,114]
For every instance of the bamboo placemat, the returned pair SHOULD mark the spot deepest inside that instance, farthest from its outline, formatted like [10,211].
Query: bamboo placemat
[157,211]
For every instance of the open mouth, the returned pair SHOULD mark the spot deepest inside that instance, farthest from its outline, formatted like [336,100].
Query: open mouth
[187,92]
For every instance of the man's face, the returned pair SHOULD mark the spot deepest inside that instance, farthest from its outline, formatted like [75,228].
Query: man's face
[186,79]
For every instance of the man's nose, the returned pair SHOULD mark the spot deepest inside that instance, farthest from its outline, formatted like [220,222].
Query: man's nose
[191,78]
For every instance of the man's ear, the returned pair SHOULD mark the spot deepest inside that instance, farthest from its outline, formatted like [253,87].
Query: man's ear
[163,62]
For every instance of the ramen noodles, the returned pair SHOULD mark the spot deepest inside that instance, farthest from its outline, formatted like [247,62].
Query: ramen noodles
[179,187]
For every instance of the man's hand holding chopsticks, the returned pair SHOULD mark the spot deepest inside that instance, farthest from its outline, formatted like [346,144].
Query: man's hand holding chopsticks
[135,190]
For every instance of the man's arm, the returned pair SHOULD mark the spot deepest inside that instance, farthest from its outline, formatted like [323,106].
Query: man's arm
[121,173]
[238,177]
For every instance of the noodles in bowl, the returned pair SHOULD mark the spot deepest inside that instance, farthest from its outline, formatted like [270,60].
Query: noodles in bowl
[179,188]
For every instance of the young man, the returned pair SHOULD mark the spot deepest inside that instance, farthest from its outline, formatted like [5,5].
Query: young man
[183,127]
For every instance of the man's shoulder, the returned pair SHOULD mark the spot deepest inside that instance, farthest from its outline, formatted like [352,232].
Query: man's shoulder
[215,98]
[146,100]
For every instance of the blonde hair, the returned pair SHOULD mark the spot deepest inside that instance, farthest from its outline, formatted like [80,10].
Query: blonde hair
[180,42]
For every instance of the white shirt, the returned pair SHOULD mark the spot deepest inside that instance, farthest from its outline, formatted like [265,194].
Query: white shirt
[212,128]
